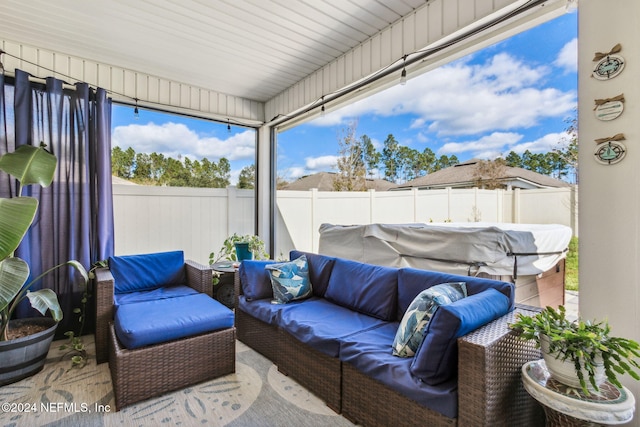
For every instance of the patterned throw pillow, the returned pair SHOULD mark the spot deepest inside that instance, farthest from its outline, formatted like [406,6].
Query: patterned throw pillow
[290,280]
[412,328]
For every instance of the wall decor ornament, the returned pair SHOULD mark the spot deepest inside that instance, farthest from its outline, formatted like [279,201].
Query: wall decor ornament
[609,108]
[610,150]
[609,64]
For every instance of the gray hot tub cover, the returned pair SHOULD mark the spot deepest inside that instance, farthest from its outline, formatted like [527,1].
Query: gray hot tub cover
[461,248]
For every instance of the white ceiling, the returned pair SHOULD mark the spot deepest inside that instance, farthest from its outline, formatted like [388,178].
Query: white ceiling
[253,49]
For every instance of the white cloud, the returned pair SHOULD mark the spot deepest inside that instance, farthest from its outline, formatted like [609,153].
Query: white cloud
[483,147]
[500,144]
[177,140]
[321,163]
[292,173]
[544,144]
[568,56]
[501,94]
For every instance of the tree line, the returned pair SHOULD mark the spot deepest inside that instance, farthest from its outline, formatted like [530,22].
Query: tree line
[156,169]
[358,159]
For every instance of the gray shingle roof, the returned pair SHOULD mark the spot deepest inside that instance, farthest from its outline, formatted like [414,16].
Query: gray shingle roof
[323,181]
[464,175]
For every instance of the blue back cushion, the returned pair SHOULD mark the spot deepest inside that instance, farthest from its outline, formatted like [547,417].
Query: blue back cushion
[255,279]
[320,267]
[412,281]
[368,289]
[133,273]
[436,360]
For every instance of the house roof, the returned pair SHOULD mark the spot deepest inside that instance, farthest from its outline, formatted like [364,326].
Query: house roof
[323,181]
[464,175]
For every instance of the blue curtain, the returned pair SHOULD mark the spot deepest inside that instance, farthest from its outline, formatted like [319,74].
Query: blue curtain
[75,217]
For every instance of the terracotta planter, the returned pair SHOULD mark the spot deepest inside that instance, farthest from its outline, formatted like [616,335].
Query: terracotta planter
[564,371]
[24,357]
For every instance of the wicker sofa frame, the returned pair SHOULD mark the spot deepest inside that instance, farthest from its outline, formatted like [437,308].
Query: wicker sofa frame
[490,391]
[154,370]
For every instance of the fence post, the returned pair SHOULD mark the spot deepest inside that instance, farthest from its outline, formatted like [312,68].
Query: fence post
[516,206]
[372,204]
[449,191]
[232,199]
[500,205]
[315,243]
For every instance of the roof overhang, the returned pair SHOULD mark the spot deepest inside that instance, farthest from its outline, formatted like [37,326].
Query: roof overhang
[248,61]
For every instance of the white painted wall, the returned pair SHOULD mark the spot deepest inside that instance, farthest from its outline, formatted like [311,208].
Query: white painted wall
[610,195]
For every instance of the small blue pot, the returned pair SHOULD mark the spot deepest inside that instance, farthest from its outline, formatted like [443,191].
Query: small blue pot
[243,252]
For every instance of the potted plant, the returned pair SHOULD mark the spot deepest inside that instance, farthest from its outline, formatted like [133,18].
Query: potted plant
[29,165]
[232,248]
[585,346]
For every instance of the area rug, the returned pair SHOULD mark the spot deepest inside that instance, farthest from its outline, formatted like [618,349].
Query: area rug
[256,395]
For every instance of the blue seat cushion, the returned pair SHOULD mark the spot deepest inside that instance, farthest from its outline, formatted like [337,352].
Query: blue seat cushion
[320,267]
[436,360]
[157,321]
[255,279]
[322,324]
[154,294]
[132,273]
[368,289]
[370,353]
[261,309]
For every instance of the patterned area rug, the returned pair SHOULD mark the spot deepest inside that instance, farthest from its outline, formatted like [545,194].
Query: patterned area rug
[256,395]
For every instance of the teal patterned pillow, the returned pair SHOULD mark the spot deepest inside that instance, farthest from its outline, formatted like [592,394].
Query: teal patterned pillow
[410,333]
[290,280]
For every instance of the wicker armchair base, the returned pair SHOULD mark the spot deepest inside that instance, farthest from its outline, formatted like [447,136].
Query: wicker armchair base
[151,371]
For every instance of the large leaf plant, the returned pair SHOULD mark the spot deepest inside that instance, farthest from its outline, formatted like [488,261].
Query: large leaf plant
[29,165]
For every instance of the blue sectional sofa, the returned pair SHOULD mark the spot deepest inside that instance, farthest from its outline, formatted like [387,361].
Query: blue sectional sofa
[338,340]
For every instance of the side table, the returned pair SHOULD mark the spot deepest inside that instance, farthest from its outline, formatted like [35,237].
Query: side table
[224,290]
[567,406]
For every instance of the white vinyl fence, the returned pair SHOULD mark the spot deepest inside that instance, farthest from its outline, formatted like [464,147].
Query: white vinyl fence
[197,220]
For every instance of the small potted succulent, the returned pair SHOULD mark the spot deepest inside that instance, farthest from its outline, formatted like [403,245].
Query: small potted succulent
[592,355]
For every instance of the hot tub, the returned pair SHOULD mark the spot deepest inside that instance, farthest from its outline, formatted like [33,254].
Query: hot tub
[529,255]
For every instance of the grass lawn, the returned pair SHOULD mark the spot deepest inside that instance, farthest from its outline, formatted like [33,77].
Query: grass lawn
[571,266]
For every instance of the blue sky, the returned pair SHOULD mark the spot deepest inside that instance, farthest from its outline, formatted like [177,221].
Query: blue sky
[512,96]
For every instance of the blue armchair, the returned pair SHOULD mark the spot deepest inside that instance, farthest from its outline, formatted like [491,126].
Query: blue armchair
[153,313]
